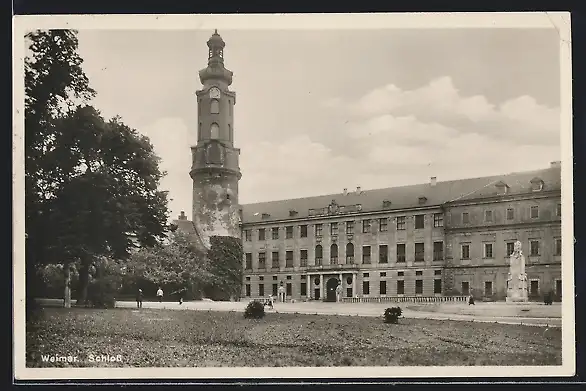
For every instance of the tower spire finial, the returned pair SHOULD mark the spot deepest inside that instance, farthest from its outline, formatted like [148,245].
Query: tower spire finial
[215,31]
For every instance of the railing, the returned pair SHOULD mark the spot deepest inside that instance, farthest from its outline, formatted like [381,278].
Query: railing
[334,260]
[407,299]
[316,268]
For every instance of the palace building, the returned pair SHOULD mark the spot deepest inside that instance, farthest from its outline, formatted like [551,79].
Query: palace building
[432,240]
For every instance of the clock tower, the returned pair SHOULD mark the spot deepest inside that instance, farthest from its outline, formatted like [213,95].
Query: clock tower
[215,170]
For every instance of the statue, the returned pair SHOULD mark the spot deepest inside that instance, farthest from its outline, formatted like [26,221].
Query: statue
[517,278]
[339,293]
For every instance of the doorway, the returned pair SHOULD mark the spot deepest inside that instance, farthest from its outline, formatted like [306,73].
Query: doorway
[316,294]
[331,286]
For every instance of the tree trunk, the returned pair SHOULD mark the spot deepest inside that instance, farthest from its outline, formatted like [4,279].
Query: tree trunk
[67,293]
[84,277]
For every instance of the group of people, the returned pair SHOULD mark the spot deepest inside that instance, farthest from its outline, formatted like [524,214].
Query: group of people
[140,296]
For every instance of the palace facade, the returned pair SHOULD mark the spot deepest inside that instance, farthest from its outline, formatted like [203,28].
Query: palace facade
[441,238]
[432,239]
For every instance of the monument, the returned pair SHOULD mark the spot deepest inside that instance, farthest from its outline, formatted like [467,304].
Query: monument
[517,280]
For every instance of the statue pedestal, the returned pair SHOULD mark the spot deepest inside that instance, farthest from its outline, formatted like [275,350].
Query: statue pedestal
[517,281]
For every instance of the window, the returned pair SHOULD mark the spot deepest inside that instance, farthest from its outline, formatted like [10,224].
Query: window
[438,220]
[419,252]
[349,227]
[383,224]
[275,289]
[275,278]
[488,216]
[534,248]
[535,212]
[510,214]
[247,278]
[534,288]
[303,289]
[349,253]
[318,255]
[262,260]
[275,259]
[303,231]
[365,287]
[247,235]
[438,251]
[303,257]
[383,287]
[418,287]
[383,274]
[334,254]
[487,250]
[248,260]
[437,272]
[465,251]
[318,230]
[215,131]
[334,229]
[289,232]
[401,223]
[437,286]
[261,234]
[401,252]
[487,288]
[400,287]
[400,274]
[510,248]
[465,218]
[214,107]
[419,272]
[558,247]
[365,254]
[275,233]
[558,210]
[247,290]
[465,288]
[383,253]
[288,277]
[288,289]
[261,289]
[261,278]
[289,259]
[365,226]
[365,275]
[419,221]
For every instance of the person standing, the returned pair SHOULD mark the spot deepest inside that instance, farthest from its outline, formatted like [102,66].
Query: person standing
[160,295]
[139,297]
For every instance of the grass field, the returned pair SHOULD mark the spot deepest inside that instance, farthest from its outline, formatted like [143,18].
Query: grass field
[168,338]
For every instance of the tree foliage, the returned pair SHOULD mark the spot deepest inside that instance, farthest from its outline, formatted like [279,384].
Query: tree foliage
[91,184]
[225,257]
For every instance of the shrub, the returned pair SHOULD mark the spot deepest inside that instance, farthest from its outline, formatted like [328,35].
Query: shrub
[392,314]
[102,292]
[548,298]
[254,310]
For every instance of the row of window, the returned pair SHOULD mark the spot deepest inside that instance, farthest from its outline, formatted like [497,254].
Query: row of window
[367,227]
[383,251]
[400,288]
[509,214]
[488,249]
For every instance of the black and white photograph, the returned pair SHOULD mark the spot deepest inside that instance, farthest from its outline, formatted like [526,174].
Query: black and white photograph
[293,196]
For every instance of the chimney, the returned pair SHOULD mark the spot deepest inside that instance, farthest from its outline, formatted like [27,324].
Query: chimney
[556,164]
[182,216]
[433,181]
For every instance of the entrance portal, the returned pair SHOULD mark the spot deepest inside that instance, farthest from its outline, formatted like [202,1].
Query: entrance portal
[331,286]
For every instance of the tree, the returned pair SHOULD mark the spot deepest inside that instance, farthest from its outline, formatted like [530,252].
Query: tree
[92,186]
[225,257]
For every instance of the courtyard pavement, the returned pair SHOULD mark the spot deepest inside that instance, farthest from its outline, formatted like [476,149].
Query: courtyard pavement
[531,314]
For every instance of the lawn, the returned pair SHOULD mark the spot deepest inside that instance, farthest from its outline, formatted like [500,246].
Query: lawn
[168,338]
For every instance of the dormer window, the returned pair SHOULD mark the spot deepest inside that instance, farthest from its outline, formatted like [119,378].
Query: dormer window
[422,200]
[536,184]
[292,213]
[386,204]
[265,215]
[502,188]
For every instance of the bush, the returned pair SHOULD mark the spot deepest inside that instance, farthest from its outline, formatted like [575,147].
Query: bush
[102,292]
[548,298]
[254,310]
[392,315]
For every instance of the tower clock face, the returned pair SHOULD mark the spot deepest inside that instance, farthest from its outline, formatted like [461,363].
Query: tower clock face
[214,93]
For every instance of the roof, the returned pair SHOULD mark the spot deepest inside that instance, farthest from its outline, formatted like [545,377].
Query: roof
[403,197]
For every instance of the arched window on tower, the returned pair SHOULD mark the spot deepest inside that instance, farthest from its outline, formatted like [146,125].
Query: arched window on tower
[230,133]
[334,254]
[349,253]
[215,131]
[318,255]
[215,107]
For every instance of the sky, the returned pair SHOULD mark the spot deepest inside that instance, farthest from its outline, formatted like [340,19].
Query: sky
[319,111]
